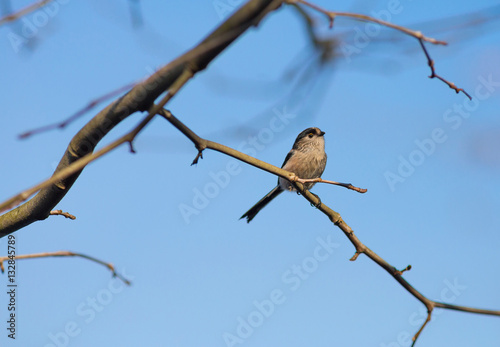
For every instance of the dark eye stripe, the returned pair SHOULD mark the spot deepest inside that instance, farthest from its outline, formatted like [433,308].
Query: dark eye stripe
[305,133]
[309,132]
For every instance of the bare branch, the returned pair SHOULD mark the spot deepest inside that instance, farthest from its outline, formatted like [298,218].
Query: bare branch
[320,180]
[28,9]
[416,34]
[171,78]
[331,15]
[430,62]
[77,114]
[466,309]
[66,254]
[334,217]
[427,320]
[81,163]
[140,98]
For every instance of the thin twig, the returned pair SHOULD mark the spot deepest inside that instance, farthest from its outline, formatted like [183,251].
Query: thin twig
[30,8]
[430,62]
[61,213]
[320,180]
[414,33]
[427,320]
[331,15]
[77,114]
[465,309]
[66,254]
[400,272]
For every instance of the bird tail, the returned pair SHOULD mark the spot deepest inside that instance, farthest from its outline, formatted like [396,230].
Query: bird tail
[251,213]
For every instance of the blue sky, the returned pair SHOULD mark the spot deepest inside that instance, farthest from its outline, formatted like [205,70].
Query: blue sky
[428,157]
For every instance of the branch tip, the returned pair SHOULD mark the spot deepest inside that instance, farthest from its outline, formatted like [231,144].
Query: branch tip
[67,254]
[430,62]
[320,180]
[61,213]
[198,156]
[131,147]
[400,272]
[427,320]
[331,19]
[416,34]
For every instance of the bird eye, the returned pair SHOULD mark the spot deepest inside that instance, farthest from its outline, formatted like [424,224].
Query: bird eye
[310,135]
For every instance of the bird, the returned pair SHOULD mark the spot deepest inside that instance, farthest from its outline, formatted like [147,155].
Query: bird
[306,159]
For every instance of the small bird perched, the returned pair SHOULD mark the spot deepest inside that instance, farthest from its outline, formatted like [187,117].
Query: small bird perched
[306,159]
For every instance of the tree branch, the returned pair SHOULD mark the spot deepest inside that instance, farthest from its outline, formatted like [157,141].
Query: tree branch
[78,165]
[334,217]
[427,320]
[416,34]
[320,180]
[28,9]
[77,114]
[331,16]
[172,77]
[140,98]
[430,62]
[66,254]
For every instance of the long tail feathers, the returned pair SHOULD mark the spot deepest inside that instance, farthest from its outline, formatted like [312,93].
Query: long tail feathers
[251,213]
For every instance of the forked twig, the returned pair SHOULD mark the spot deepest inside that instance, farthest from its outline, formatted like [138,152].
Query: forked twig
[416,34]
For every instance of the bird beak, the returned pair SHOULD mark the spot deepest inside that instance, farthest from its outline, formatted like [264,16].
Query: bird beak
[322,133]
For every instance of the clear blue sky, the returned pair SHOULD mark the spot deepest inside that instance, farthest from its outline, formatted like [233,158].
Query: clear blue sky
[429,158]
